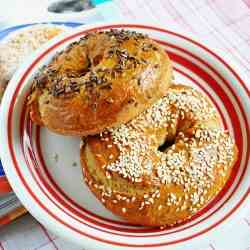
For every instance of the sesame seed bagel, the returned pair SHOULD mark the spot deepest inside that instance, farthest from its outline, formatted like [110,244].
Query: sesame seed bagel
[103,80]
[163,166]
[20,44]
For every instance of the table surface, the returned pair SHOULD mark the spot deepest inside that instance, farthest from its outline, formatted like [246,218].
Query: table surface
[220,24]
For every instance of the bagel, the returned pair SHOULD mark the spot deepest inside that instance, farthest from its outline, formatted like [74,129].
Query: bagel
[101,81]
[163,166]
[20,44]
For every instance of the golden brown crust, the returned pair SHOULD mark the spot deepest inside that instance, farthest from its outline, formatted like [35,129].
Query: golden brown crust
[104,80]
[147,185]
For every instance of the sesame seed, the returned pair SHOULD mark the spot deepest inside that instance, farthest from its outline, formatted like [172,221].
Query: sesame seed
[124,210]
[23,43]
[151,200]
[190,166]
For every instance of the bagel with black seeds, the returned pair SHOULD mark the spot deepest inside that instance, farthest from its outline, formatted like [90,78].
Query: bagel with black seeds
[103,80]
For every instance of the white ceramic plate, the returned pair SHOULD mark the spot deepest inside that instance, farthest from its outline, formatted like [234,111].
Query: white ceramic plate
[41,167]
[5,36]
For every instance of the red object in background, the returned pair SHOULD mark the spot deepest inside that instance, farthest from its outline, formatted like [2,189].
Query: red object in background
[4,185]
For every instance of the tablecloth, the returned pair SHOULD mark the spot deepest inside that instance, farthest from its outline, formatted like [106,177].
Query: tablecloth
[220,24]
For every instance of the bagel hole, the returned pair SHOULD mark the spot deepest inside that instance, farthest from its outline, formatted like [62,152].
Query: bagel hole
[166,144]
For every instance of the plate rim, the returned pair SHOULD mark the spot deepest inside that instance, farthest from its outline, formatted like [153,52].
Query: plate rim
[6,34]
[215,54]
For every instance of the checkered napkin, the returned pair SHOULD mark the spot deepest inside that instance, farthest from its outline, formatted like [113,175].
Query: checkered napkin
[222,25]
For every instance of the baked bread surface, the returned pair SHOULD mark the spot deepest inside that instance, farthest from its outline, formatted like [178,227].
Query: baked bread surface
[103,80]
[163,166]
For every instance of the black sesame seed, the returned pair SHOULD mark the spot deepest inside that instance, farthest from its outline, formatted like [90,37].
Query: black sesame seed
[149,96]
[124,35]
[139,81]
[107,86]
[131,101]
[74,86]
[41,81]
[57,90]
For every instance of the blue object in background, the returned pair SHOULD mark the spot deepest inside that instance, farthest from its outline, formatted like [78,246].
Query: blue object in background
[7,31]
[96,2]
[1,169]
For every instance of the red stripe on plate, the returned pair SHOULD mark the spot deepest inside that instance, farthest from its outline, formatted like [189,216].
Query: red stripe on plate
[56,217]
[62,193]
[220,195]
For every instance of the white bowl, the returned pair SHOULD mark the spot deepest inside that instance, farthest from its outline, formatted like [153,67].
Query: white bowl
[39,164]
